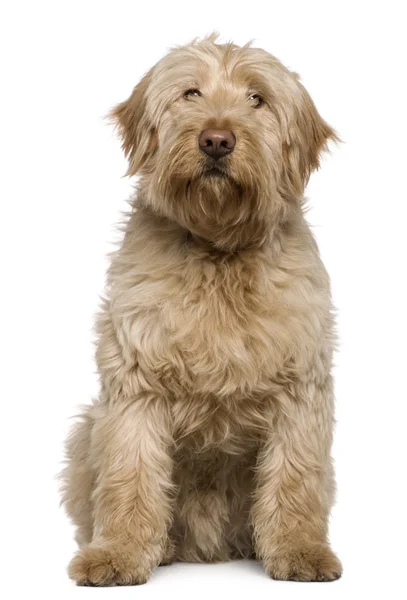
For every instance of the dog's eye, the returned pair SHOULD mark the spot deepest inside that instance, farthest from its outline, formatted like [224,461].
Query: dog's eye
[256,100]
[190,93]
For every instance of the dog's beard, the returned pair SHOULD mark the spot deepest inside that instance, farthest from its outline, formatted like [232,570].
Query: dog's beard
[215,207]
[215,200]
[215,193]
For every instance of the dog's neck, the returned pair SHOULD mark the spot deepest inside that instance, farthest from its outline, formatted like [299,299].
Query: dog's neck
[195,239]
[264,235]
[209,245]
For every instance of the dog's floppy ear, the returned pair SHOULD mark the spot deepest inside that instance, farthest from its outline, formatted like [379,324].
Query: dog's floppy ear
[308,137]
[136,130]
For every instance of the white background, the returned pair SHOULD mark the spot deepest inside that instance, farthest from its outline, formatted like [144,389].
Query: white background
[64,64]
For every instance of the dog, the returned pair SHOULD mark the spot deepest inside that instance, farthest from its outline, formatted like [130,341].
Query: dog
[211,437]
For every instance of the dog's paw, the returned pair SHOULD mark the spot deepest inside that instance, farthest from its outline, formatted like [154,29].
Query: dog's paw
[107,565]
[314,562]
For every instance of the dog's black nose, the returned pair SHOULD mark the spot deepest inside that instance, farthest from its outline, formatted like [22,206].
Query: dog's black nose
[217,142]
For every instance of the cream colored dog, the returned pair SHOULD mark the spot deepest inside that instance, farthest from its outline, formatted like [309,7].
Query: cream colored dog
[211,437]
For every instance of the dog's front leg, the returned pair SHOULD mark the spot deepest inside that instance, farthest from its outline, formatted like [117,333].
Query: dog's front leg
[132,504]
[294,486]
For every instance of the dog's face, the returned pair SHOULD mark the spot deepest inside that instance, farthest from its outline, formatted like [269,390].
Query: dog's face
[225,139]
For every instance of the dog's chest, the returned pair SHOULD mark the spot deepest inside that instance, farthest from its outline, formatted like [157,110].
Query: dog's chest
[215,328]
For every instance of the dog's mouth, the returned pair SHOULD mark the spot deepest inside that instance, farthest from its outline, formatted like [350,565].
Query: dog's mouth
[213,172]
[215,168]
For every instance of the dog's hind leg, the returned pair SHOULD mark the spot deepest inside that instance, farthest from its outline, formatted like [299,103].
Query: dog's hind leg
[212,517]
[169,552]
[200,525]
[239,532]
[78,479]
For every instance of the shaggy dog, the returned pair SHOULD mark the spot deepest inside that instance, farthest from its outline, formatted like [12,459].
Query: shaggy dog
[211,437]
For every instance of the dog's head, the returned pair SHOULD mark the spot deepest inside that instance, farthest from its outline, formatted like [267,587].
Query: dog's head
[225,139]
